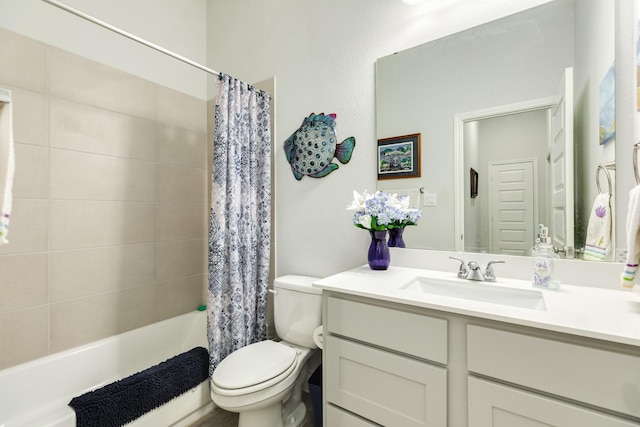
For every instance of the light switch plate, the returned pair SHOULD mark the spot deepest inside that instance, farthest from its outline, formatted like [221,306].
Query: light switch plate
[429,199]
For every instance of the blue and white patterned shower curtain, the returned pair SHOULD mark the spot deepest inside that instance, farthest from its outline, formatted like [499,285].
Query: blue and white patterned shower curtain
[240,219]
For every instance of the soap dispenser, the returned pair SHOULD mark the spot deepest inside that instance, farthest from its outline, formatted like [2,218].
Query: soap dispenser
[543,260]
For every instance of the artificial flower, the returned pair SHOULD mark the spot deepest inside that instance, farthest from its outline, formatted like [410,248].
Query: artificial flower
[382,211]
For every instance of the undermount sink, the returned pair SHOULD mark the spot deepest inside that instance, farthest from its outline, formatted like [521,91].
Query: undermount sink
[478,291]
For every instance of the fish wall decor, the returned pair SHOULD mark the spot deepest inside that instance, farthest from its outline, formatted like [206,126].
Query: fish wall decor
[311,149]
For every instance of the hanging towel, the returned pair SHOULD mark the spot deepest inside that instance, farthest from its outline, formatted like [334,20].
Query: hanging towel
[598,244]
[633,239]
[7,167]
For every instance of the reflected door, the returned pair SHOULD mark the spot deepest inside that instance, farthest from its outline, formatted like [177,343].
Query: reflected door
[561,167]
[512,206]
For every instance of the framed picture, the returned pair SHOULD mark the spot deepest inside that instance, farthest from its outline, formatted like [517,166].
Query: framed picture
[607,99]
[399,157]
[473,180]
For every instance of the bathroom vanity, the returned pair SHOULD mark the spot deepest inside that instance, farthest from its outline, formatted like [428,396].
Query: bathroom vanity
[411,347]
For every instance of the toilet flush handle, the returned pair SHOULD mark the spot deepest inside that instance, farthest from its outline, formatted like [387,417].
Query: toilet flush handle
[273,291]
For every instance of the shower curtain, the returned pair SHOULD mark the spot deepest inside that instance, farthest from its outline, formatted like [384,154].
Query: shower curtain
[240,219]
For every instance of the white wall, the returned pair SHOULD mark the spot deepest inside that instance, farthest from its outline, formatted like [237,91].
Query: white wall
[176,25]
[322,55]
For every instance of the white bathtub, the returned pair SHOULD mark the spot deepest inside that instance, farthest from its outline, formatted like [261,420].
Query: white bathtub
[37,393]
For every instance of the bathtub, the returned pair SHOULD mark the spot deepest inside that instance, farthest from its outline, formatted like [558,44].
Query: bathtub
[37,393]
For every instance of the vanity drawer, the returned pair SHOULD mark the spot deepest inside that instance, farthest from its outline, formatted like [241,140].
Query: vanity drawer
[498,405]
[336,417]
[389,328]
[386,388]
[595,376]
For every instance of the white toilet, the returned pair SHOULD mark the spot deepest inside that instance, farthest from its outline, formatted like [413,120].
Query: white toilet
[263,381]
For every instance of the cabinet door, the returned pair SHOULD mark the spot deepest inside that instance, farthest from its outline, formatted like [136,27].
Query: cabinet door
[336,417]
[384,387]
[496,405]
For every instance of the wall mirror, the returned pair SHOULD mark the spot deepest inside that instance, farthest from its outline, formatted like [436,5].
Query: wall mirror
[488,99]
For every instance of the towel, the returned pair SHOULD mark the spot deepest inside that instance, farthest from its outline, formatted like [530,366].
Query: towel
[125,400]
[598,244]
[633,239]
[7,167]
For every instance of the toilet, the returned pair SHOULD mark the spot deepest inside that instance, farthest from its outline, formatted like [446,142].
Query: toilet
[263,381]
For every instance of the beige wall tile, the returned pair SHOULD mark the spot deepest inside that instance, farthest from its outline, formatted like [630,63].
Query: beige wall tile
[178,221]
[28,59]
[181,110]
[31,179]
[181,184]
[28,227]
[96,130]
[85,224]
[180,259]
[24,281]
[180,296]
[182,147]
[88,82]
[109,223]
[24,335]
[84,320]
[85,272]
[30,116]
[76,175]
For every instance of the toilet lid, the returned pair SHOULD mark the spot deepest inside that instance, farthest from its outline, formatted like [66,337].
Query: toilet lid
[254,364]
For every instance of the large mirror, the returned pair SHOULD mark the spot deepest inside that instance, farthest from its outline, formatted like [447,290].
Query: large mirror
[491,105]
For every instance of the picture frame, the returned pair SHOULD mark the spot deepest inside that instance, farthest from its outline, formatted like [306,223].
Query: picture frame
[473,183]
[399,157]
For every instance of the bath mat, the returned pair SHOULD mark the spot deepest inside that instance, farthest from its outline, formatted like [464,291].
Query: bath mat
[125,400]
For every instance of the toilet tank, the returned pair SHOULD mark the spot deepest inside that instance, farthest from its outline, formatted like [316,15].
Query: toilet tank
[297,309]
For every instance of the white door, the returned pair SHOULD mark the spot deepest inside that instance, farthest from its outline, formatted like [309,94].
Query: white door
[561,167]
[512,206]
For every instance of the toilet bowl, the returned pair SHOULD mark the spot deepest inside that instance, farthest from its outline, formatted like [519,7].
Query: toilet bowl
[263,381]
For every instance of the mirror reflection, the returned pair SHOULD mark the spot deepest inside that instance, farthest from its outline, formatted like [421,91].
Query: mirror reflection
[518,101]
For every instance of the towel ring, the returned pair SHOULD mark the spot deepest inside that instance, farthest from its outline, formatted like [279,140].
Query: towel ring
[605,168]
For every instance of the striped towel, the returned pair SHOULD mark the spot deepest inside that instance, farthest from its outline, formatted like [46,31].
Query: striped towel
[598,244]
[633,239]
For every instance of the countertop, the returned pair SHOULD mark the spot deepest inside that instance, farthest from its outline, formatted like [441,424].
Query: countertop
[604,314]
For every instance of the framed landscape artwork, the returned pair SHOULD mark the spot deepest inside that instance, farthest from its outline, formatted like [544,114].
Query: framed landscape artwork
[399,157]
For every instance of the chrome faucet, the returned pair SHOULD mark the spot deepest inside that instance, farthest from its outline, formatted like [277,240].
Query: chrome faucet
[472,271]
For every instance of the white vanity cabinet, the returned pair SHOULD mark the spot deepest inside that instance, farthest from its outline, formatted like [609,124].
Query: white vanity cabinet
[553,379]
[395,364]
[383,366]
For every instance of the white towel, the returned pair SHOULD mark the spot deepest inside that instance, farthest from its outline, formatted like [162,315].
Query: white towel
[633,239]
[7,167]
[598,244]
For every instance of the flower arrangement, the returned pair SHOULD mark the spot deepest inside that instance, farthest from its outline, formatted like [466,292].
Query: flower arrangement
[382,211]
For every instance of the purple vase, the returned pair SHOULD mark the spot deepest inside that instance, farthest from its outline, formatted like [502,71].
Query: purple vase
[395,238]
[379,257]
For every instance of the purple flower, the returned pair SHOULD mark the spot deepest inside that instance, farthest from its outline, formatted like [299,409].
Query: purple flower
[601,211]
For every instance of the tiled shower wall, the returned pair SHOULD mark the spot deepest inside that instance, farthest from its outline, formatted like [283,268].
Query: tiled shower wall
[108,229]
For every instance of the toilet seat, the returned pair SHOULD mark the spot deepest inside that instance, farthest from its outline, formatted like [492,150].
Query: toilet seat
[254,368]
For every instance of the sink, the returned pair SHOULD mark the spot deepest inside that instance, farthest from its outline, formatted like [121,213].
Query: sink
[478,291]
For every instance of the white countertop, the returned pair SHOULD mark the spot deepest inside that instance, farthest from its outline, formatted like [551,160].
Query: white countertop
[605,314]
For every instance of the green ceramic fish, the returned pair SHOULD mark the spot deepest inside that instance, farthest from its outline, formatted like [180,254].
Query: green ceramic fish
[311,149]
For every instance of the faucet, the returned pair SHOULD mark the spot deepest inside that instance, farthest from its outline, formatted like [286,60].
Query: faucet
[472,271]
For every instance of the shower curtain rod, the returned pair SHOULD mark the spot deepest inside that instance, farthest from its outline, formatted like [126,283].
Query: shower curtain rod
[129,35]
